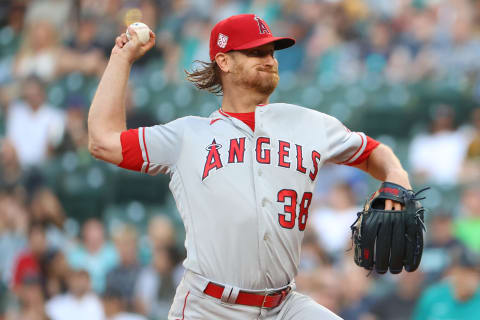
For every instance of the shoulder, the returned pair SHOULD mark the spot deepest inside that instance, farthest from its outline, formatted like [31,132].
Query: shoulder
[17,107]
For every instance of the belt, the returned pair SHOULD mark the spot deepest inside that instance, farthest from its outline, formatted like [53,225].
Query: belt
[268,300]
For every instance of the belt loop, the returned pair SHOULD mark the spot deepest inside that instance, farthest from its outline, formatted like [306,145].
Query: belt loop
[233,295]
[227,290]
[292,286]
[264,298]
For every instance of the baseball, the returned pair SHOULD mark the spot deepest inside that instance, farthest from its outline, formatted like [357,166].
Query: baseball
[142,30]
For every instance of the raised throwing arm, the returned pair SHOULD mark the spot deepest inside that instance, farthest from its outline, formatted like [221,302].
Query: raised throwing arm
[106,118]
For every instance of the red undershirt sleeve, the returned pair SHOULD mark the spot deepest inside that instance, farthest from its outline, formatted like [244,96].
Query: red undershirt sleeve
[371,145]
[131,152]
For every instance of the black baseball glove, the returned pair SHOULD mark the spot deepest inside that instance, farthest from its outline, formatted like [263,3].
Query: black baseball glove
[389,239]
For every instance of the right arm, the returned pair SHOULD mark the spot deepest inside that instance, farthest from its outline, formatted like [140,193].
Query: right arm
[106,118]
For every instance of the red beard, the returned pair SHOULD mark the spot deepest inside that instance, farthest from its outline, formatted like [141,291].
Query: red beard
[262,80]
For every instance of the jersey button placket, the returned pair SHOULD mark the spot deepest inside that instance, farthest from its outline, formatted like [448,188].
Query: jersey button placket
[259,193]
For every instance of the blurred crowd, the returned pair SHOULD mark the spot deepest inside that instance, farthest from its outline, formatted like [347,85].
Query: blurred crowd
[55,265]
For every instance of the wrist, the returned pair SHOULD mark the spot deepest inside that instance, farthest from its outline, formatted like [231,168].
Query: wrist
[400,177]
[119,57]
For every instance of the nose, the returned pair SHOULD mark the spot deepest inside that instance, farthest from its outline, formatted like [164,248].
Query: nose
[270,60]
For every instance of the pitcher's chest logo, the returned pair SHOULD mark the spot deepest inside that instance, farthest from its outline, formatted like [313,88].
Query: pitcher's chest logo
[236,153]
[213,158]
[263,151]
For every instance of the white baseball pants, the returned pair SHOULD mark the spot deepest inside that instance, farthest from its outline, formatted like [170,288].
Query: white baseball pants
[191,303]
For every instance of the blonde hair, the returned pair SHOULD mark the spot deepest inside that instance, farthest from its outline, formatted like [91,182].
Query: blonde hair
[206,77]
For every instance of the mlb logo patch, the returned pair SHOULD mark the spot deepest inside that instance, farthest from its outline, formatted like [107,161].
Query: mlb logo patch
[222,40]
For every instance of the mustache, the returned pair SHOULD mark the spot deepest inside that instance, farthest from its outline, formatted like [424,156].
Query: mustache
[271,69]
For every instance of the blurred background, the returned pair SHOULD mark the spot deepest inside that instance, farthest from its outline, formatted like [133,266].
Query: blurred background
[81,239]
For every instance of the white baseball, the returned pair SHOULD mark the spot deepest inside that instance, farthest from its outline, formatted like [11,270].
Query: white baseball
[142,30]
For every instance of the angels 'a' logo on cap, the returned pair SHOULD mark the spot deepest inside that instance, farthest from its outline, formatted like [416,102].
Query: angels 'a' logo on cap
[262,27]
[222,40]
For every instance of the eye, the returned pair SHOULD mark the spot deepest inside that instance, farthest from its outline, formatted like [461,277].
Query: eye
[254,53]
[260,53]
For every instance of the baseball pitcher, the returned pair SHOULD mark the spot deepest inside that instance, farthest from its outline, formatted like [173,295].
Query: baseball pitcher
[243,177]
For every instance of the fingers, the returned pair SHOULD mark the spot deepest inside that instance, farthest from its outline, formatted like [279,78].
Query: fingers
[133,36]
[392,205]
[131,46]
[151,41]
[132,33]
[388,204]
[121,40]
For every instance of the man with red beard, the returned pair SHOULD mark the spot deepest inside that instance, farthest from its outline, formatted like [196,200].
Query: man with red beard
[242,178]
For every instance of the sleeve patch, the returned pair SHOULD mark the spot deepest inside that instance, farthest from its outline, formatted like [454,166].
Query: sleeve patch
[131,151]
[371,145]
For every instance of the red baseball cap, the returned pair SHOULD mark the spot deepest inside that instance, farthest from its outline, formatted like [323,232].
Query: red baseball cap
[243,31]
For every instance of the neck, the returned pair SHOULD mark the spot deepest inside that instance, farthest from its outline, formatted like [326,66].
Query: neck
[242,100]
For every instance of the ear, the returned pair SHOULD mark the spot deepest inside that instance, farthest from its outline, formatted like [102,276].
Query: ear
[223,60]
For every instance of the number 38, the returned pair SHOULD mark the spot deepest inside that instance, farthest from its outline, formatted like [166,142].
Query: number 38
[287,219]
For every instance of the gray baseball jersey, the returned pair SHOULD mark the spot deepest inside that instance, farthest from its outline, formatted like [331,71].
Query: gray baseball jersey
[244,195]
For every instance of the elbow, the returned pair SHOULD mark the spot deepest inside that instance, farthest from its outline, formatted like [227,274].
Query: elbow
[96,145]
[95,142]
[105,147]
[94,148]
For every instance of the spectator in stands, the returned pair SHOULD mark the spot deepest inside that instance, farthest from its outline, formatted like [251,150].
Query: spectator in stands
[439,242]
[31,302]
[355,290]
[123,277]
[156,283]
[155,288]
[57,273]
[45,208]
[12,14]
[39,53]
[15,15]
[33,125]
[83,40]
[313,255]
[458,297]
[321,284]
[42,55]
[467,225]
[75,134]
[332,222]
[42,10]
[161,233]
[13,233]
[10,170]
[471,166]
[437,156]
[28,263]
[78,303]
[399,303]
[116,308]
[376,50]
[135,118]
[94,254]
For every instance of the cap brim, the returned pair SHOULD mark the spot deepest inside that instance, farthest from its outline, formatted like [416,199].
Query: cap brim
[279,42]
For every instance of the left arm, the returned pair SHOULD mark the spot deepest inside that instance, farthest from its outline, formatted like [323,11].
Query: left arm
[383,164]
